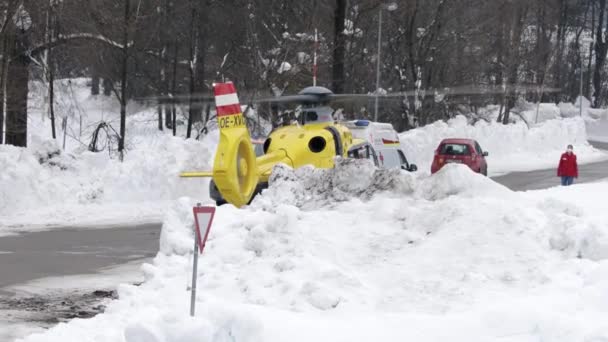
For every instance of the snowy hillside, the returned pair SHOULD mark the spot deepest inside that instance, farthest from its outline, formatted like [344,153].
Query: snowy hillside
[449,256]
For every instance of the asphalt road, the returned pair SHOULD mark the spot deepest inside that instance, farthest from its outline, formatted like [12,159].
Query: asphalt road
[30,256]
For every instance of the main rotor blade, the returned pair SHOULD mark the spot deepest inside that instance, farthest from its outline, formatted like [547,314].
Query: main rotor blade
[467,90]
[472,90]
[181,98]
[292,98]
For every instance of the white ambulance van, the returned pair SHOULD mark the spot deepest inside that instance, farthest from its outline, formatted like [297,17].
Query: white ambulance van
[380,143]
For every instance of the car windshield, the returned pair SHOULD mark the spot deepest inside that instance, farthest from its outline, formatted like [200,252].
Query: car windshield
[455,149]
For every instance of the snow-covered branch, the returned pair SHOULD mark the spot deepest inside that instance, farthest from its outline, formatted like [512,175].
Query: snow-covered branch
[65,38]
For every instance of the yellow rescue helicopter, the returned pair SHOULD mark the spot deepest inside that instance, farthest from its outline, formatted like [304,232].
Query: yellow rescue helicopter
[315,139]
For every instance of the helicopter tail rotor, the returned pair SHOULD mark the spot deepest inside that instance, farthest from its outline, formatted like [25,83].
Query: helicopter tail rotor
[234,168]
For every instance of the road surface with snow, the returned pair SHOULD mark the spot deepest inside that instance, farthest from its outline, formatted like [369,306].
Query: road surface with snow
[542,179]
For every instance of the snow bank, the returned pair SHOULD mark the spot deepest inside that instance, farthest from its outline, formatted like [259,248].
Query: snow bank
[43,176]
[475,260]
[598,130]
[513,147]
[77,187]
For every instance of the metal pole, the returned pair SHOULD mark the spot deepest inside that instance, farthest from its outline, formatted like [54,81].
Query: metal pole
[194,271]
[378,63]
[580,97]
[194,274]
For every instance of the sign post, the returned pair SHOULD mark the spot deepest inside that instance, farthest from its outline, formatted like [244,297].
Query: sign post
[203,217]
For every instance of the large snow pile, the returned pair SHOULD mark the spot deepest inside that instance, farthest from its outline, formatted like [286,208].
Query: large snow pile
[513,147]
[87,188]
[44,175]
[453,256]
[61,184]
[74,186]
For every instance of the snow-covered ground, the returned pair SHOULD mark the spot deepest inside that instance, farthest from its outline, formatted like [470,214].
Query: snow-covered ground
[75,189]
[598,130]
[45,186]
[393,257]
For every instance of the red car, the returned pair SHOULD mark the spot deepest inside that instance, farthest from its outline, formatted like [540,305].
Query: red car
[462,151]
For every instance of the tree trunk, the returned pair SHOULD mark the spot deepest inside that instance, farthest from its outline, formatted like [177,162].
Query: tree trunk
[192,45]
[16,101]
[587,90]
[173,90]
[201,59]
[51,66]
[600,55]
[162,73]
[17,90]
[107,86]
[123,82]
[339,47]
[3,76]
[95,84]
[515,33]
[561,44]
[51,28]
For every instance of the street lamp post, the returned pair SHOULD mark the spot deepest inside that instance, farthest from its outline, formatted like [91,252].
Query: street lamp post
[585,40]
[391,7]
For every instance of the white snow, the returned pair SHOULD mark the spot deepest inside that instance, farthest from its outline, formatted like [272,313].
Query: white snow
[513,147]
[598,130]
[284,67]
[453,256]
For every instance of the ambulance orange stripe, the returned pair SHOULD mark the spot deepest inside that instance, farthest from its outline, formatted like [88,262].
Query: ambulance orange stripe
[390,142]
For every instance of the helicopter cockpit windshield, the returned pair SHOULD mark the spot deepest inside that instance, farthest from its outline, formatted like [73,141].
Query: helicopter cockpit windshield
[313,115]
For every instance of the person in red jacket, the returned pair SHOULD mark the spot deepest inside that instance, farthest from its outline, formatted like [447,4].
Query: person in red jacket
[567,169]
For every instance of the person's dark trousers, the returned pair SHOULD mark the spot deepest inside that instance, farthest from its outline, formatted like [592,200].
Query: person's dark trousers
[567,180]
